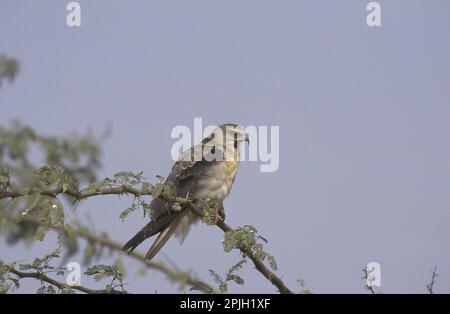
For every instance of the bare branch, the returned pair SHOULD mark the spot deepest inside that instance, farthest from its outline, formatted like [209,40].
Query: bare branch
[434,275]
[126,189]
[61,285]
[365,277]
[179,276]
[266,272]
[78,195]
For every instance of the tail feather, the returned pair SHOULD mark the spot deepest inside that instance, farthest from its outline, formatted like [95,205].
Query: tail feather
[149,230]
[165,226]
[146,232]
[164,236]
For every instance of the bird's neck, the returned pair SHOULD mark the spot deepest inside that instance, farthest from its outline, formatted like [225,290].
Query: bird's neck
[231,150]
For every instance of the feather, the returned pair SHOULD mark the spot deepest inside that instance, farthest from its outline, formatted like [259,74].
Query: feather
[203,179]
[149,230]
[165,235]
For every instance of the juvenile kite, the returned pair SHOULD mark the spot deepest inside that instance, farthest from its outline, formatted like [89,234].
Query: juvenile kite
[205,173]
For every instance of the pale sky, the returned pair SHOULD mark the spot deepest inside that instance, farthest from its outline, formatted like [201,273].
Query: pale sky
[363,115]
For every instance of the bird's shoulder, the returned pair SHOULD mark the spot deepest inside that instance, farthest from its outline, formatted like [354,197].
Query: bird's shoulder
[184,169]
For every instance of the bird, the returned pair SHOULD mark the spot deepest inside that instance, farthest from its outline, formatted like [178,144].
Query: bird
[205,174]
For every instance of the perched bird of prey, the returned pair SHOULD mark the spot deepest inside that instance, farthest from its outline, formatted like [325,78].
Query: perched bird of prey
[204,173]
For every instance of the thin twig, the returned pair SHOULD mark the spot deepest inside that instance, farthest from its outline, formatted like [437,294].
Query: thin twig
[78,195]
[266,272]
[365,278]
[434,275]
[61,285]
[126,189]
[180,276]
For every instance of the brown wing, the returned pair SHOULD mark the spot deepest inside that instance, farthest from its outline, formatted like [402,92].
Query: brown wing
[184,179]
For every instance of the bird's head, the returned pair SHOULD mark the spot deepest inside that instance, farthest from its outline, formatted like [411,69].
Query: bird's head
[231,134]
[226,138]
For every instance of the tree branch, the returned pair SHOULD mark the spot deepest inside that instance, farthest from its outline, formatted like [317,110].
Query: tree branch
[266,272]
[61,285]
[78,195]
[434,275]
[365,277]
[179,276]
[126,189]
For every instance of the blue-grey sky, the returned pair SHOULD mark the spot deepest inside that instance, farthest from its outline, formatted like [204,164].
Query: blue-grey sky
[363,114]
